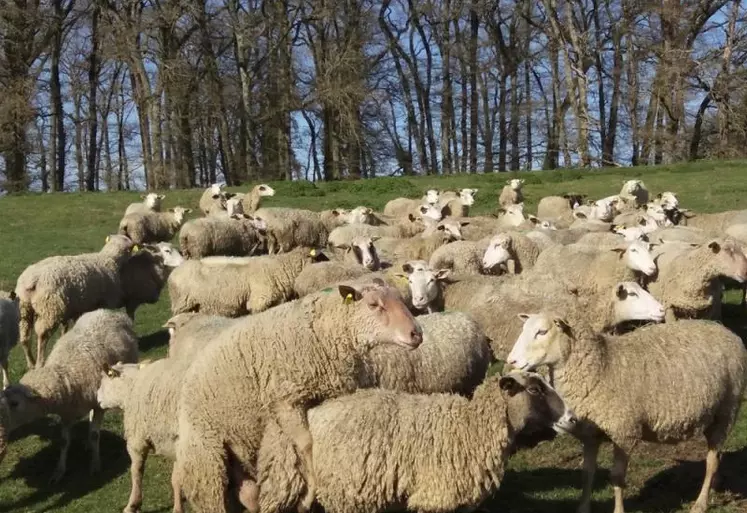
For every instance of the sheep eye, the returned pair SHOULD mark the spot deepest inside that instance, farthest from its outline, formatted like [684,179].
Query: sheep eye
[633,294]
[542,333]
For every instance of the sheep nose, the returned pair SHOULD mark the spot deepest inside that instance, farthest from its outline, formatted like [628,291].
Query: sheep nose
[416,336]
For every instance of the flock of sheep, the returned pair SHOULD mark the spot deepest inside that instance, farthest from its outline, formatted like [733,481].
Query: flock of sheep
[339,358]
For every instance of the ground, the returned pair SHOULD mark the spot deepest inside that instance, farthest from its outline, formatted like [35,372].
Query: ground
[661,479]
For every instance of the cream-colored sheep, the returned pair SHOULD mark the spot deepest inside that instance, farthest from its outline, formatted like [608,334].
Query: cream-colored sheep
[251,201]
[457,204]
[9,318]
[277,363]
[213,199]
[357,260]
[513,251]
[153,226]
[662,383]
[461,257]
[511,193]
[241,235]
[151,203]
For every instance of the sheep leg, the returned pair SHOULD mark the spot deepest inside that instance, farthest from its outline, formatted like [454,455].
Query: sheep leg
[94,435]
[591,452]
[61,467]
[177,492]
[617,476]
[42,334]
[6,377]
[138,455]
[712,461]
[293,422]
[27,320]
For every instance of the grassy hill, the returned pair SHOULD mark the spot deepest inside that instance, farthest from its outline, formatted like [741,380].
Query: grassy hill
[544,480]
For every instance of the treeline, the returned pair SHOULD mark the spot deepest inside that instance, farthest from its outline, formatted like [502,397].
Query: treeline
[114,94]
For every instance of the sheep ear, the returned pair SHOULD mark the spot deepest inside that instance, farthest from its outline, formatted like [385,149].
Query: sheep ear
[161,196]
[658,196]
[619,251]
[442,274]
[171,210]
[349,294]
[464,223]
[562,324]
[508,182]
[715,246]
[229,195]
[510,385]
[368,210]
[533,219]
[523,317]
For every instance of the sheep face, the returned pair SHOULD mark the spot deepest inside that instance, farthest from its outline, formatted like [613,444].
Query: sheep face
[264,190]
[467,196]
[658,214]
[728,259]
[216,188]
[451,229]
[632,233]
[668,200]
[180,213]
[545,339]
[431,212]
[516,184]
[380,315]
[533,405]
[513,215]
[365,252]
[424,283]
[632,187]
[498,252]
[169,254]
[153,200]
[115,384]
[638,257]
[431,196]
[633,303]
[360,215]
[24,405]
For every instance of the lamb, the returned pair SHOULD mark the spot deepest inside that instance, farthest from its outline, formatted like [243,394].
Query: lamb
[457,204]
[593,271]
[461,257]
[213,199]
[9,318]
[240,235]
[591,370]
[668,200]
[405,207]
[512,250]
[559,209]
[379,450]
[511,193]
[636,189]
[601,210]
[512,216]
[251,201]
[431,196]
[288,228]
[234,286]
[144,275]
[153,226]
[495,302]
[687,282]
[61,288]
[67,385]
[421,248]
[275,364]
[151,203]
[359,259]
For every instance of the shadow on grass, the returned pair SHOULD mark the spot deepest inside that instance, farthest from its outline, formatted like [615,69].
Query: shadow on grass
[735,318]
[35,470]
[672,489]
[158,338]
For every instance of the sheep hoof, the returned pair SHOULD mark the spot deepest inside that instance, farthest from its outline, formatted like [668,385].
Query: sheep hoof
[699,507]
[131,509]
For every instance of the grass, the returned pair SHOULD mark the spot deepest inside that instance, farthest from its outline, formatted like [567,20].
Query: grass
[661,479]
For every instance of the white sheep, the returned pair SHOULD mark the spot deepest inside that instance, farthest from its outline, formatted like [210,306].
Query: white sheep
[277,362]
[513,251]
[457,204]
[66,387]
[151,203]
[559,209]
[431,196]
[61,288]
[422,247]
[661,383]
[251,201]
[636,189]
[213,199]
[358,259]
[153,226]
[234,286]
[461,257]
[379,451]
[511,193]
[240,235]
[9,319]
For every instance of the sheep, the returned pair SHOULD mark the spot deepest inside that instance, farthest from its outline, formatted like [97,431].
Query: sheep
[461,257]
[212,199]
[378,450]
[9,318]
[592,270]
[275,364]
[687,282]
[457,204]
[153,226]
[421,248]
[600,210]
[251,201]
[716,224]
[61,288]
[512,216]
[636,189]
[235,286]
[668,200]
[679,234]
[559,209]
[431,197]
[189,332]
[67,385]
[405,207]
[144,275]
[344,235]
[151,203]
[512,250]
[651,212]
[288,228]
[678,379]
[541,238]
[233,207]
[241,235]
[495,302]
[511,193]
[360,258]
[610,240]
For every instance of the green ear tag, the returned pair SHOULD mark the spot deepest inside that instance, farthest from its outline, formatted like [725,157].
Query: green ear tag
[327,290]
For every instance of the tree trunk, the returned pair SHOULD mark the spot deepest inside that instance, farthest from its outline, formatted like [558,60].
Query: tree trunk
[93,85]
[473,106]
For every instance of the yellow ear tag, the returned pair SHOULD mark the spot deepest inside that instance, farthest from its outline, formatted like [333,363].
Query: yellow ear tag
[348,299]
[135,248]
[111,374]
[108,237]
[312,253]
